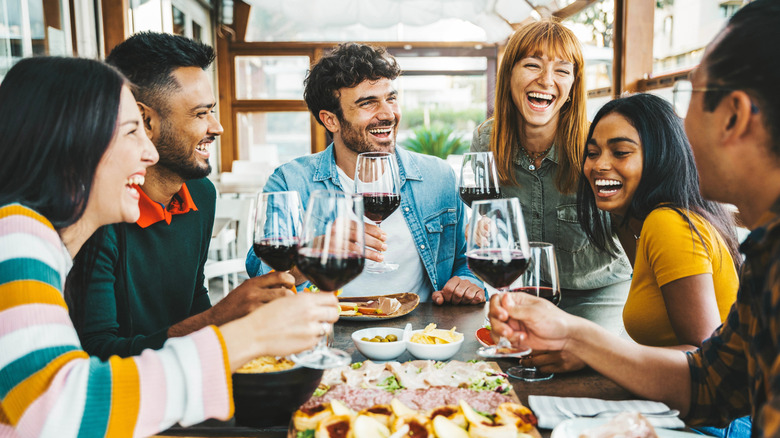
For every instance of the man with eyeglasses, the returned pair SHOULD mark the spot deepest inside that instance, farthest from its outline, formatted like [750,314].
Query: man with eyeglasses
[733,123]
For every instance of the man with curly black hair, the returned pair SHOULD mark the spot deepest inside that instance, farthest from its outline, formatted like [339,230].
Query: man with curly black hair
[350,92]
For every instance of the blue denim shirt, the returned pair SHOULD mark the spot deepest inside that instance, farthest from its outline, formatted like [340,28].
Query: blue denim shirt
[551,216]
[429,201]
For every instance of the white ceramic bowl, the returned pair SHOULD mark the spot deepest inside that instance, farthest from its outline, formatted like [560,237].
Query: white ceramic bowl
[379,350]
[434,351]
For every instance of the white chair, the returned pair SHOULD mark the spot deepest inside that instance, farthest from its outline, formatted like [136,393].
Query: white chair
[234,216]
[232,271]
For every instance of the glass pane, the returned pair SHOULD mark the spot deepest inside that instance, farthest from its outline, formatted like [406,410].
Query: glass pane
[458,103]
[442,63]
[197,32]
[270,77]
[10,35]
[178,21]
[683,29]
[273,137]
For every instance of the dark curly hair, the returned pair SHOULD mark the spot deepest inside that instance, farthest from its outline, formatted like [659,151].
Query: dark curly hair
[148,59]
[669,175]
[345,67]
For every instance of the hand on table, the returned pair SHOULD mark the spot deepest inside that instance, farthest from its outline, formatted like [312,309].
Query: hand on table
[459,291]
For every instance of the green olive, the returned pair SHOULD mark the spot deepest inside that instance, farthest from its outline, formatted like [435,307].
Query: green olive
[391,338]
[365,339]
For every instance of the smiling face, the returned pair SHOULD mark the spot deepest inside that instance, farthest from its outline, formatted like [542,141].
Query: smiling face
[370,117]
[613,163]
[189,127]
[114,196]
[540,87]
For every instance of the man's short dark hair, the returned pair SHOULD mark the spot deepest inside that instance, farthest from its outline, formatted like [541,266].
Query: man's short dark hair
[148,59]
[743,60]
[345,67]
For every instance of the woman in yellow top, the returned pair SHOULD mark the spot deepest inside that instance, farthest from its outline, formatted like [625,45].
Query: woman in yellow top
[638,166]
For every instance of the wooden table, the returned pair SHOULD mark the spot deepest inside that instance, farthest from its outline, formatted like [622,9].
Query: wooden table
[467,319]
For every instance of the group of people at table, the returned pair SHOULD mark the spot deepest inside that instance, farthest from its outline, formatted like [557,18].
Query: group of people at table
[106,215]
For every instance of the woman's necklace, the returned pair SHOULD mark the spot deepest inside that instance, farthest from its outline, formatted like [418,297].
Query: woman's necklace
[533,156]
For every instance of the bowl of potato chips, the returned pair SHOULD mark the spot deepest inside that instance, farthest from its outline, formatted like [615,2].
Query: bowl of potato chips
[268,389]
[434,344]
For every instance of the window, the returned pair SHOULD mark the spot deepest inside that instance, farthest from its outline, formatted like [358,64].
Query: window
[274,137]
[32,27]
[179,20]
[270,77]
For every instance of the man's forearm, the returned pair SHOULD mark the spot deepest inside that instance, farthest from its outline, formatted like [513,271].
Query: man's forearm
[651,372]
[192,324]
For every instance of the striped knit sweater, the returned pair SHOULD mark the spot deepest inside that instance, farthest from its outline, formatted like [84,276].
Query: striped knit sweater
[50,387]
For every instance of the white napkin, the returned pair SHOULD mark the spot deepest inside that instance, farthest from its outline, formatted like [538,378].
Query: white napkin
[549,416]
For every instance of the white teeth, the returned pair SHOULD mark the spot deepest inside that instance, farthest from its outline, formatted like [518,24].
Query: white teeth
[544,96]
[202,147]
[386,130]
[137,180]
[607,182]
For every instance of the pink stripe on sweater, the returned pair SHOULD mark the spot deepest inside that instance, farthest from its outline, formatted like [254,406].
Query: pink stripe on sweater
[37,413]
[13,224]
[32,315]
[153,396]
[215,392]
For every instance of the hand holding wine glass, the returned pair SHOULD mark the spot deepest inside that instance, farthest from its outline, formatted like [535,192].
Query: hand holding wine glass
[478,177]
[377,179]
[330,254]
[541,280]
[277,225]
[497,253]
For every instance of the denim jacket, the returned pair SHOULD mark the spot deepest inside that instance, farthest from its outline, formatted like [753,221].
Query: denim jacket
[552,217]
[429,201]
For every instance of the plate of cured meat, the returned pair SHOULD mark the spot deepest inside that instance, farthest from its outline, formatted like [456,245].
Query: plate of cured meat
[377,307]
[425,398]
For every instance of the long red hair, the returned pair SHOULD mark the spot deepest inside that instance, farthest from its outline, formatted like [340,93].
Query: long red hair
[549,38]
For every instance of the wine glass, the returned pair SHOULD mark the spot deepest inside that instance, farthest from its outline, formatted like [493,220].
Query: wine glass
[330,254]
[378,180]
[497,253]
[278,222]
[478,177]
[541,280]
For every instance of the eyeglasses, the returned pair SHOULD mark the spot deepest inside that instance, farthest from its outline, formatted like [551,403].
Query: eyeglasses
[681,96]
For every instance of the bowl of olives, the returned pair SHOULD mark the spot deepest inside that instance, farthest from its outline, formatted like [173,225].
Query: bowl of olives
[379,343]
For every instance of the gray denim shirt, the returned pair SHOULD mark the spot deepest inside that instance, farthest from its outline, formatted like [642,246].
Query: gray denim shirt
[552,217]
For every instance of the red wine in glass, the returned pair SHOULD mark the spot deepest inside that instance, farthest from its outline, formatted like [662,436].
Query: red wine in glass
[496,267]
[331,272]
[379,206]
[548,293]
[278,253]
[471,194]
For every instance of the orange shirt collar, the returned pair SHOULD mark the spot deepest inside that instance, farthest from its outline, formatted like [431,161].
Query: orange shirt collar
[153,212]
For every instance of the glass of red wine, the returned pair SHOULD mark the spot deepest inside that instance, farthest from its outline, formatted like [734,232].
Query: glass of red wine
[330,254]
[478,177]
[541,280]
[497,253]
[378,180]
[278,223]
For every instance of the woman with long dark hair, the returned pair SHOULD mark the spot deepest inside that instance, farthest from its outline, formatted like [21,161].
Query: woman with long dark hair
[639,167]
[74,150]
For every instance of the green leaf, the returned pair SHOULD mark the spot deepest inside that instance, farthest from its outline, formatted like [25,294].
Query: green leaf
[437,141]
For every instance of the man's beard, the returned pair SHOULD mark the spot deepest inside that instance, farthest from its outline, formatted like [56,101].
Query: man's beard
[176,156]
[358,143]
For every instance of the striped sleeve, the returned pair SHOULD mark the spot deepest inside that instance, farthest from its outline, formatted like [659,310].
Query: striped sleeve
[50,387]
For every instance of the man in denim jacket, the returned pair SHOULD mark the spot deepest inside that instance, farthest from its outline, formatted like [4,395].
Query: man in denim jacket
[350,92]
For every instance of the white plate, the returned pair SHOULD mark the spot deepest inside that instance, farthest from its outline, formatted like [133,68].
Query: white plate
[573,427]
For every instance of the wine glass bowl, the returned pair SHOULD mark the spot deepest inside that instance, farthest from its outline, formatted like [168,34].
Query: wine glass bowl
[478,177]
[330,254]
[277,225]
[497,253]
[378,180]
[541,280]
